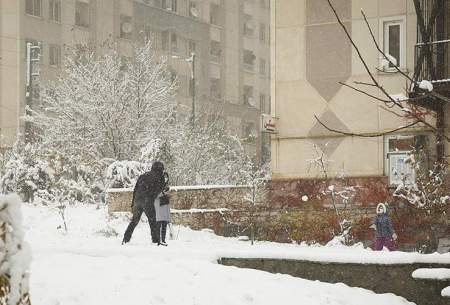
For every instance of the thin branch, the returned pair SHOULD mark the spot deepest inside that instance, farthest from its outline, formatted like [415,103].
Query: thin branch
[375,135]
[364,83]
[365,93]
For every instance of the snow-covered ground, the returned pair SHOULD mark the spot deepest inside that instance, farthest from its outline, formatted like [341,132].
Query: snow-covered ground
[88,265]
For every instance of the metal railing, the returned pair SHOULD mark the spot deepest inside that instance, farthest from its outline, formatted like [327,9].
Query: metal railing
[432,61]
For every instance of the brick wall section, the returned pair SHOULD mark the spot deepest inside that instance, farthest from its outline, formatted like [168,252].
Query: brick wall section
[284,216]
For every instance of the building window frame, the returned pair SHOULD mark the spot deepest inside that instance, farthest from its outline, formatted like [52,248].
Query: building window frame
[54,10]
[82,8]
[385,26]
[262,32]
[33,8]
[54,55]
[395,167]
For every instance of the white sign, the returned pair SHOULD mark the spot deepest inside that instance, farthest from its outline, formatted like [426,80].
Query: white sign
[268,123]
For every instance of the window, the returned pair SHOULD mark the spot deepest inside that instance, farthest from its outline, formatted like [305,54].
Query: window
[54,55]
[170,5]
[248,96]
[262,32]
[174,6]
[165,40]
[151,36]
[214,14]
[262,104]
[174,43]
[216,88]
[191,47]
[215,51]
[250,133]
[398,149]
[126,27]
[193,9]
[33,7]
[82,14]
[393,42]
[55,10]
[262,67]
[249,60]
[249,27]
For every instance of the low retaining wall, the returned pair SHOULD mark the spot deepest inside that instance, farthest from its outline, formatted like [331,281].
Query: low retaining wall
[185,198]
[395,279]
[292,210]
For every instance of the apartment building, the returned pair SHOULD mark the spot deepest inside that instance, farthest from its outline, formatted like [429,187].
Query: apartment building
[230,40]
[311,55]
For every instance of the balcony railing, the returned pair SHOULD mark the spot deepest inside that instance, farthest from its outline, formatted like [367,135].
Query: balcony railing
[432,61]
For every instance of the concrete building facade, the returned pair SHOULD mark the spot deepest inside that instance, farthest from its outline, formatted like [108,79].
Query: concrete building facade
[229,38]
[311,55]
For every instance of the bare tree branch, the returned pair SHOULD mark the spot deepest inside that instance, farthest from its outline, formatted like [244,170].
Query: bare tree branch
[374,135]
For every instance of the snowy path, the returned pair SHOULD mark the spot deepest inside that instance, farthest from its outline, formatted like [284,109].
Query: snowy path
[85,267]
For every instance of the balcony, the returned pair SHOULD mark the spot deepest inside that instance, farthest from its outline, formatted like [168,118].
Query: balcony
[432,62]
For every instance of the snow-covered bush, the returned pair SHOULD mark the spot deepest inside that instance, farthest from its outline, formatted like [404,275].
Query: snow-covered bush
[123,174]
[428,200]
[14,254]
[24,172]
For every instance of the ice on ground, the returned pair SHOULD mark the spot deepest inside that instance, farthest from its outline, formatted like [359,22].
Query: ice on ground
[432,274]
[87,266]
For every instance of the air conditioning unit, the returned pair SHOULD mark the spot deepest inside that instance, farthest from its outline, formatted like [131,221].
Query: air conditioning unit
[127,27]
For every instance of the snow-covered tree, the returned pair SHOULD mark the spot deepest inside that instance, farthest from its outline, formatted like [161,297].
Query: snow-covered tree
[106,106]
[205,154]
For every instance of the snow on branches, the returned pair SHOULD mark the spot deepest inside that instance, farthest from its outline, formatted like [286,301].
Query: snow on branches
[14,254]
[106,106]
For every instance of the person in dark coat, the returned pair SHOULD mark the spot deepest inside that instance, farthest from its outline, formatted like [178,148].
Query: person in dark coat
[384,231]
[148,186]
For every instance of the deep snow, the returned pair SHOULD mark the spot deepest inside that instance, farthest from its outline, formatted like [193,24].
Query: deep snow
[85,266]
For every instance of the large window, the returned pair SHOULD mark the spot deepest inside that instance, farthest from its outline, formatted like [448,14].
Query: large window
[398,151]
[54,55]
[54,7]
[393,42]
[33,7]
[248,96]
[262,32]
[262,67]
[249,60]
[216,88]
[249,26]
[215,51]
[214,14]
[193,9]
[82,14]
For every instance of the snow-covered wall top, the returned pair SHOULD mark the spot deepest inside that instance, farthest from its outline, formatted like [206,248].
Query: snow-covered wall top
[184,188]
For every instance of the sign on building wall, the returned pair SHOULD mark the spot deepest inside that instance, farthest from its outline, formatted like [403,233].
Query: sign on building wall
[268,124]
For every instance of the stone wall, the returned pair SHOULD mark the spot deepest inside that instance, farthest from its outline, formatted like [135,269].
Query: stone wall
[185,198]
[378,278]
